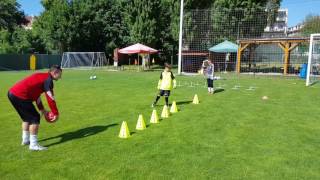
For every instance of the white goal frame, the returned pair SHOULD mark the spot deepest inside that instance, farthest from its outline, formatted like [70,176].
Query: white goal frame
[308,83]
[97,60]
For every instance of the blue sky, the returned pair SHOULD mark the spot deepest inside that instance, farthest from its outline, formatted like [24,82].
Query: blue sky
[298,9]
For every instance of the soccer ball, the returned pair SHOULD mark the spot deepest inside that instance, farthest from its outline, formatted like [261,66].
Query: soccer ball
[50,117]
[93,77]
[265,98]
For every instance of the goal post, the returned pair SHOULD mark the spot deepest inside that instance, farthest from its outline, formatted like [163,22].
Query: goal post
[180,37]
[83,60]
[313,69]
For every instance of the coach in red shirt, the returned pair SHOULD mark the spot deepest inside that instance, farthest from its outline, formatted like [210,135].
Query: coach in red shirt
[24,93]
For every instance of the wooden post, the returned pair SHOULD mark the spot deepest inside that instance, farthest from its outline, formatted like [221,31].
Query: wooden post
[287,48]
[239,54]
[286,58]
[239,59]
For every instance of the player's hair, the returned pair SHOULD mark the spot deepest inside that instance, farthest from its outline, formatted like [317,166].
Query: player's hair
[206,63]
[54,68]
[167,65]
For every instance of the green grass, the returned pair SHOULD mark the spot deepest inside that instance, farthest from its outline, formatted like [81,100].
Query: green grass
[233,134]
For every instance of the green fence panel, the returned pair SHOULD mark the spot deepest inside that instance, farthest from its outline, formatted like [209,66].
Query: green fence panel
[15,62]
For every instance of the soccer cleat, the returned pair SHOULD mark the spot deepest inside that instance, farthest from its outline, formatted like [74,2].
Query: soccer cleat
[24,143]
[37,147]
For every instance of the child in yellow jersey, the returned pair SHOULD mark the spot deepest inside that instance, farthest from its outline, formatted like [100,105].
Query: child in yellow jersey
[166,83]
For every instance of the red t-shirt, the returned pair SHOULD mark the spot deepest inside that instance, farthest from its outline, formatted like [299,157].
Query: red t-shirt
[33,86]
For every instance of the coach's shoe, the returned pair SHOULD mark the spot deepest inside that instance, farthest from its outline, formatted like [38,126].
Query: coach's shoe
[37,147]
[24,143]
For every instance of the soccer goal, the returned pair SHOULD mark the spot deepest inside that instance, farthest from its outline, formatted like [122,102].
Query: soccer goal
[83,60]
[313,71]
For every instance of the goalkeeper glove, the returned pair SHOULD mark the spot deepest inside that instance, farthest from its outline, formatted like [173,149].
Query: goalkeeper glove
[174,84]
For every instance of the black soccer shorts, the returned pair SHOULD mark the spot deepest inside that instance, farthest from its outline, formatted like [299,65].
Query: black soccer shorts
[25,109]
[165,93]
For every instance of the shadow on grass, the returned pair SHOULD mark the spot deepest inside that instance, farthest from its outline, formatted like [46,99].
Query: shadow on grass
[218,90]
[183,102]
[78,134]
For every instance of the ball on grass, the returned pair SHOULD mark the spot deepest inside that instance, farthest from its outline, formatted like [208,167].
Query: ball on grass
[93,77]
[265,98]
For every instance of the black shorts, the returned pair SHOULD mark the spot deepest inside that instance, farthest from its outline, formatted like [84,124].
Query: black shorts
[164,93]
[25,109]
[210,83]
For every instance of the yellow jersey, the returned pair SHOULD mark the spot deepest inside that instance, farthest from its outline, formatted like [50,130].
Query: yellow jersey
[167,81]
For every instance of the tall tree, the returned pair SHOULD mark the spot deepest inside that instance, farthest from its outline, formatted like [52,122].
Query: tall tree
[52,25]
[141,19]
[97,25]
[10,15]
[226,19]
[311,25]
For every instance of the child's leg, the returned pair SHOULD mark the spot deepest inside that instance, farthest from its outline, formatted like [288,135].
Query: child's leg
[166,97]
[158,97]
[212,89]
[211,85]
[208,83]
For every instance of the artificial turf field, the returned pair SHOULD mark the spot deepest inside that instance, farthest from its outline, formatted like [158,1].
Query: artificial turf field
[233,134]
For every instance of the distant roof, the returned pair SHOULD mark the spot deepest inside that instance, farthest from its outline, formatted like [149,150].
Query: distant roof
[224,47]
[274,40]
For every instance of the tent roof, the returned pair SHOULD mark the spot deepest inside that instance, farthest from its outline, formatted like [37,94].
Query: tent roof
[224,47]
[138,49]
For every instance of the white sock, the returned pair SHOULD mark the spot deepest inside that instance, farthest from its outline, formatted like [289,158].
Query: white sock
[25,136]
[209,89]
[33,140]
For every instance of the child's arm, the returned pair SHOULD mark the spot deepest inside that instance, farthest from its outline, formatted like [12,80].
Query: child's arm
[174,80]
[160,81]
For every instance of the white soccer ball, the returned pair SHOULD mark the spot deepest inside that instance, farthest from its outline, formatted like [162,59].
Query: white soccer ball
[265,97]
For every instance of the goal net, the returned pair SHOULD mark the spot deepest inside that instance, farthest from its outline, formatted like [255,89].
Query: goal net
[313,71]
[204,29]
[83,60]
[241,41]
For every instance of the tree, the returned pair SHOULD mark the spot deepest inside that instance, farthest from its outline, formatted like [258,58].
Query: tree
[10,15]
[97,25]
[52,25]
[10,20]
[141,18]
[5,45]
[82,25]
[229,19]
[311,25]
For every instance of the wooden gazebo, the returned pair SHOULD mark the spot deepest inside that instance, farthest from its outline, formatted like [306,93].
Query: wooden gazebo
[286,44]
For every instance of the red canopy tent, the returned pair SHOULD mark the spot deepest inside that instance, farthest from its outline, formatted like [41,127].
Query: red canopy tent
[139,49]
